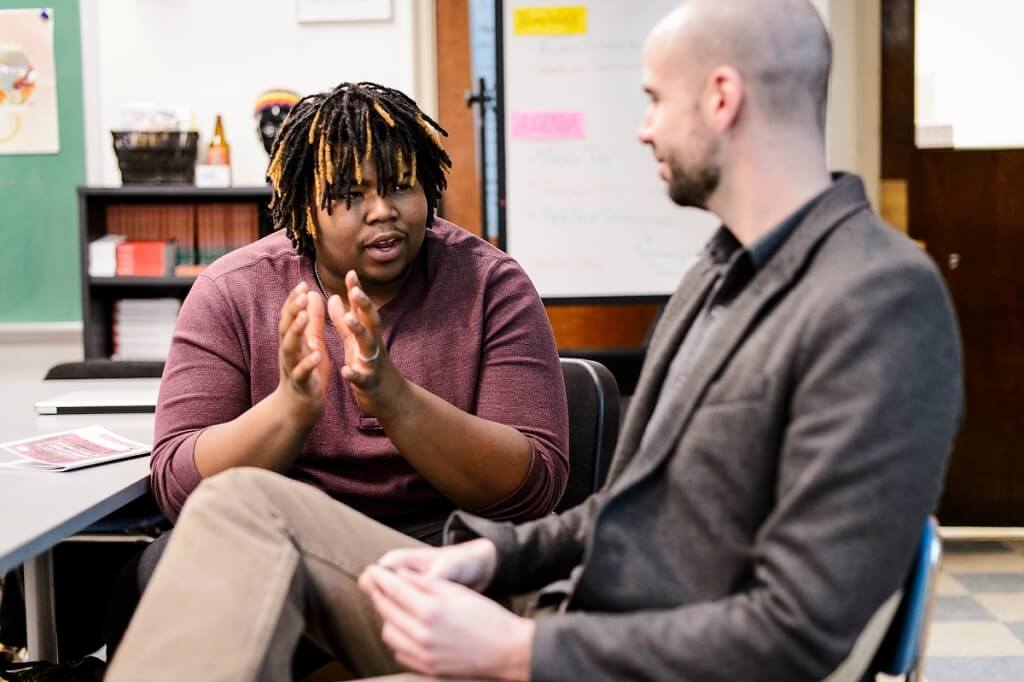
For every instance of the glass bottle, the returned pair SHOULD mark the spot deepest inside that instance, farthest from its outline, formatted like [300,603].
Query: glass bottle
[219,152]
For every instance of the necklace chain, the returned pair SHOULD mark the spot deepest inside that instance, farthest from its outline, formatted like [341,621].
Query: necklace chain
[319,283]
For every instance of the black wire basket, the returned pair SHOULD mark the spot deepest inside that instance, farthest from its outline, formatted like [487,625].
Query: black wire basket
[156,157]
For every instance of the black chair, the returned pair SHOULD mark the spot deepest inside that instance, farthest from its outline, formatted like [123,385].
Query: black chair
[107,369]
[623,363]
[593,427]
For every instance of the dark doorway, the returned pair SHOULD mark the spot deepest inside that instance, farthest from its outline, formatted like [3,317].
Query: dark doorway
[967,207]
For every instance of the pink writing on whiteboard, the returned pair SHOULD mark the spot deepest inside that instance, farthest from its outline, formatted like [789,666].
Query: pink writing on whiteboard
[547,125]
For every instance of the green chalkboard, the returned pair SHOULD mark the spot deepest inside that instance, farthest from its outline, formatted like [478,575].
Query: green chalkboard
[39,261]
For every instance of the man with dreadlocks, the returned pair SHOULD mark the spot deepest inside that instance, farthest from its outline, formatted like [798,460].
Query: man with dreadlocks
[431,382]
[449,392]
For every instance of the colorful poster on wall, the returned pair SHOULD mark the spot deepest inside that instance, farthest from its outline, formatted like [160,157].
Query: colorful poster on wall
[28,83]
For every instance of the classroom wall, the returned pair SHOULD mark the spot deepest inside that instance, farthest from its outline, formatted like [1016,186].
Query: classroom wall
[38,209]
[855,107]
[853,131]
[216,57]
[130,50]
[211,56]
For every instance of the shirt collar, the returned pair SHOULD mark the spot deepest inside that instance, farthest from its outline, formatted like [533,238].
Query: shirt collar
[763,248]
[723,244]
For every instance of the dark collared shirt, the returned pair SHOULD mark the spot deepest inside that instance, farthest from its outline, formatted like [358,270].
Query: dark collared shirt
[735,266]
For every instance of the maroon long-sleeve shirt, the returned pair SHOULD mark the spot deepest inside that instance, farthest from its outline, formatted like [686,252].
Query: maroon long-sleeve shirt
[467,325]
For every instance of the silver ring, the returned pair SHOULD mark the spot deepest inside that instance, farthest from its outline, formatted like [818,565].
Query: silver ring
[372,358]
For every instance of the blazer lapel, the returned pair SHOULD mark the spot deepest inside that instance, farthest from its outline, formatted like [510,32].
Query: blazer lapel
[845,197]
[675,321]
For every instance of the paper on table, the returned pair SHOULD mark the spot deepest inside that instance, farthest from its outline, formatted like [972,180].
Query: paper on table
[73,449]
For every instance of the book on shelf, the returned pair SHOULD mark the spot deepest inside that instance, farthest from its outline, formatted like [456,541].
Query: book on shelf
[146,258]
[222,227]
[103,255]
[143,328]
[203,231]
[159,221]
[67,450]
[183,270]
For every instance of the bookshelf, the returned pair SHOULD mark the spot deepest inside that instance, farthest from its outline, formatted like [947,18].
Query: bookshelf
[231,216]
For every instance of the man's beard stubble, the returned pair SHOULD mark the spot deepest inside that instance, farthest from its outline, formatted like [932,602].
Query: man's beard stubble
[689,188]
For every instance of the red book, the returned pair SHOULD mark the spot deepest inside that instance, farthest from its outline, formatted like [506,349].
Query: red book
[145,258]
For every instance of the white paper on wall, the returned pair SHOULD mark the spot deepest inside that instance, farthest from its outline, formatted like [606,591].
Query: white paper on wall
[28,83]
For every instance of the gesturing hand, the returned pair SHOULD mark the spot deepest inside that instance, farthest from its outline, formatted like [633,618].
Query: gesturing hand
[440,628]
[376,383]
[302,357]
[469,563]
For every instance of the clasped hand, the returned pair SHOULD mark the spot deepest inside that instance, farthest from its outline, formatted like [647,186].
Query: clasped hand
[435,620]
[305,365]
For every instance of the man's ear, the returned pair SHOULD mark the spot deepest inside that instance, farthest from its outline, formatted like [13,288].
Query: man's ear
[723,98]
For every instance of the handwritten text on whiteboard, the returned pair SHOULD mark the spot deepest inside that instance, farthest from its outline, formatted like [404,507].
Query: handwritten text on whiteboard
[546,125]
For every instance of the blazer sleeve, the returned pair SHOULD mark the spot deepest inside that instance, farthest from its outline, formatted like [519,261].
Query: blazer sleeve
[876,402]
[530,555]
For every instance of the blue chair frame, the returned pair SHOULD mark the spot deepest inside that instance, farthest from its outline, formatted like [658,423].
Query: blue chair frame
[903,647]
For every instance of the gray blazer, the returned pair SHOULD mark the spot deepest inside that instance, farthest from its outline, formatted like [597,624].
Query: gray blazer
[755,537]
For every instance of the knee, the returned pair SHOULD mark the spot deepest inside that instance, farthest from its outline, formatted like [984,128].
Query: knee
[241,480]
[238,485]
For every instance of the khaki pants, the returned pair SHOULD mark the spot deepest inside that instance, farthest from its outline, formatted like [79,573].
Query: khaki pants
[255,561]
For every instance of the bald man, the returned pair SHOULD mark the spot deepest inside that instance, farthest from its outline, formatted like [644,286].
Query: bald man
[783,448]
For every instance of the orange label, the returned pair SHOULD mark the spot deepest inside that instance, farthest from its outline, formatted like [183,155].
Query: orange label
[217,156]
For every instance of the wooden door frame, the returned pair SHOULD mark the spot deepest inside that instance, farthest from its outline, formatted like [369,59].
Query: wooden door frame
[461,202]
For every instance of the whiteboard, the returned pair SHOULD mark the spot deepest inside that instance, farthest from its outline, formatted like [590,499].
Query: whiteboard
[585,211]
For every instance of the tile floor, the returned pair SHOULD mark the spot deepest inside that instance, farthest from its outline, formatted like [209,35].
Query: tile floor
[977,630]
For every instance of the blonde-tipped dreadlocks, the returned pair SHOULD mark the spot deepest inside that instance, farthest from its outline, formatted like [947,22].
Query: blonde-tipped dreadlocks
[327,139]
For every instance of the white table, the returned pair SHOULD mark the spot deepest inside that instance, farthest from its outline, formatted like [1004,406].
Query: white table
[39,509]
